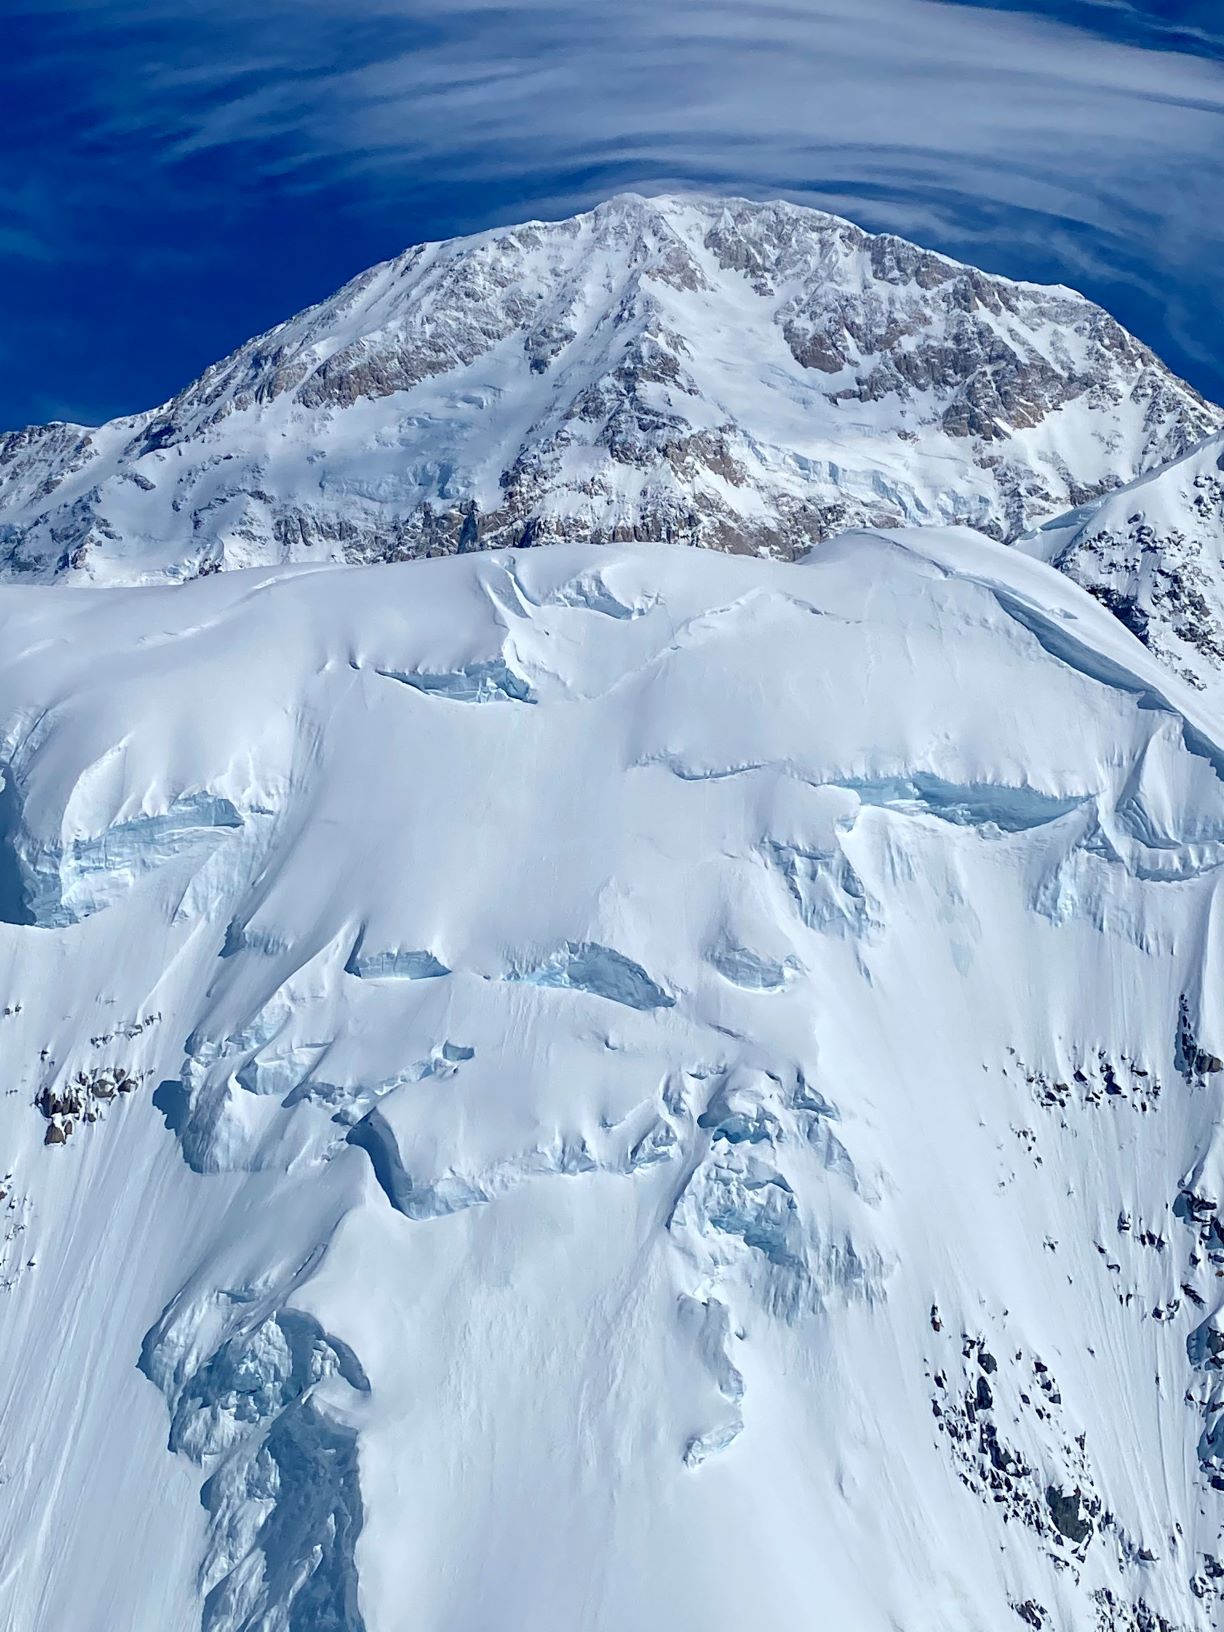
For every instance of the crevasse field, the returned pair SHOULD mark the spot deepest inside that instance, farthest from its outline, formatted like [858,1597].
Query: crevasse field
[602,1088]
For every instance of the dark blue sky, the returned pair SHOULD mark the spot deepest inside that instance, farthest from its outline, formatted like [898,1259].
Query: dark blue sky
[174,178]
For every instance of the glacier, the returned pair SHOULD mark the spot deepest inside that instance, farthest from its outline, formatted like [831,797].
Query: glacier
[729,1130]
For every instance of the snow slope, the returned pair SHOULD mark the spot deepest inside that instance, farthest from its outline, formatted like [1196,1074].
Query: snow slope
[1153,552]
[752,377]
[600,1088]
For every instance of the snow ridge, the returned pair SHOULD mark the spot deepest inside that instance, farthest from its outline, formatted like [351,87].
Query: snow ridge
[1153,553]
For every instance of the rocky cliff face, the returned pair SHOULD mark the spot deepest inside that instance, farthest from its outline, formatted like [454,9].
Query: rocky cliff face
[748,377]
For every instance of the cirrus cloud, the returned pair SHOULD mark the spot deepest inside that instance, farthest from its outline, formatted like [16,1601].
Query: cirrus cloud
[1051,138]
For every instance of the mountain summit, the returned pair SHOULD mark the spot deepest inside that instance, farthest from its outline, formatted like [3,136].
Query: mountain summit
[746,376]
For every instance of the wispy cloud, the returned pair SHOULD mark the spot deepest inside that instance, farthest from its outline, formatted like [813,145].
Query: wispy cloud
[1002,131]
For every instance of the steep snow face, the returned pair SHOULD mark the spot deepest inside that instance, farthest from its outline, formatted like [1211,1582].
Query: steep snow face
[752,377]
[1153,552]
[587,1088]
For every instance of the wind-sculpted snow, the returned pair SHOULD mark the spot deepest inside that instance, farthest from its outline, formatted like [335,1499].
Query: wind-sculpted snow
[591,592]
[14,886]
[739,1195]
[1011,809]
[394,964]
[478,683]
[825,888]
[763,1092]
[710,1321]
[282,1495]
[743,967]
[601,970]
[452,1192]
[980,804]
[66,882]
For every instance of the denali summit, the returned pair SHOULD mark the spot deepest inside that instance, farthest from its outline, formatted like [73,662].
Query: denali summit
[619,1085]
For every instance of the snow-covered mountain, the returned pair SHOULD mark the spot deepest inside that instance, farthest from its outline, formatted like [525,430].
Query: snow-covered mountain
[1153,552]
[587,1088]
[626,1086]
[752,377]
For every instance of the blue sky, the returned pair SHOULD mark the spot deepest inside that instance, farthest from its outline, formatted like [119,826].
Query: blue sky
[173,178]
